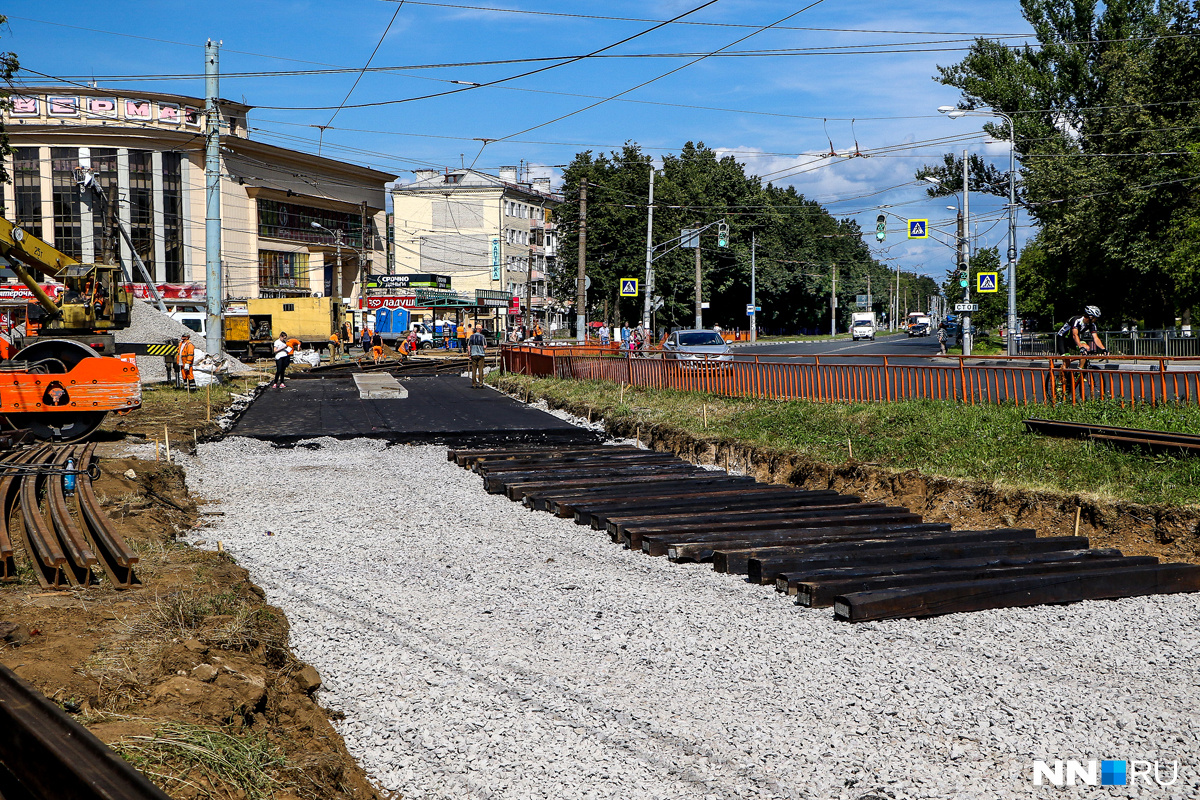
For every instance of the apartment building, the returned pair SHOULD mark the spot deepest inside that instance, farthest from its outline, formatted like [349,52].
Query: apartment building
[493,232]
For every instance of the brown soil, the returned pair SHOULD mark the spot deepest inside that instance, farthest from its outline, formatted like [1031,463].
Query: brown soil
[196,649]
[1171,533]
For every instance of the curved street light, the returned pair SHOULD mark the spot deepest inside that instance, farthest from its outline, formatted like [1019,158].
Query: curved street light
[337,278]
[954,113]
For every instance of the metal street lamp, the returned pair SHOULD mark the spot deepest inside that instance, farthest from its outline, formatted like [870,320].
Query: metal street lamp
[337,278]
[955,113]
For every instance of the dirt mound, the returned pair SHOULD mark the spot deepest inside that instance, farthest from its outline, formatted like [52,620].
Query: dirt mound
[190,674]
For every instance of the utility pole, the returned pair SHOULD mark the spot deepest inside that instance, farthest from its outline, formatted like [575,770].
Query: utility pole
[833,303]
[649,288]
[109,252]
[870,304]
[580,288]
[699,310]
[212,196]
[753,298]
[363,246]
[966,317]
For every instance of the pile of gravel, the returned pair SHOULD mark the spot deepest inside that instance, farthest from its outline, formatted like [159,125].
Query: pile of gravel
[481,650]
[148,325]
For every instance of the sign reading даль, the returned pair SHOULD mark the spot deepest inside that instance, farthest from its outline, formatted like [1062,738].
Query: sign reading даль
[409,281]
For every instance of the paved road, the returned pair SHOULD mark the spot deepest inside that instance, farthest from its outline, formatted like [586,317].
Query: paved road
[896,344]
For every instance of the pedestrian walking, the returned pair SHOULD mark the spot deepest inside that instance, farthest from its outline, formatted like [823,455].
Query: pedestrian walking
[478,350]
[942,338]
[604,336]
[283,357]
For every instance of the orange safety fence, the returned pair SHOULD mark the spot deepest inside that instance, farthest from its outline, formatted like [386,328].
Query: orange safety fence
[1024,380]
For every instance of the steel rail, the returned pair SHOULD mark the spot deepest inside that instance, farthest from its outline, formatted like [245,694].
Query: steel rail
[116,557]
[47,755]
[70,534]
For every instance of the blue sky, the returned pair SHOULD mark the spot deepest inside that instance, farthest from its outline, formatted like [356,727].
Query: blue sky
[823,68]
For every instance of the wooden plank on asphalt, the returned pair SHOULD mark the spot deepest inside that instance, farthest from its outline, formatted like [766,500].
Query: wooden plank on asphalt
[788,582]
[1033,590]
[821,594]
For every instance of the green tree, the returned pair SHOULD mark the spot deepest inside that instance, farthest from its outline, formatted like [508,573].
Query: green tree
[1106,131]
[798,243]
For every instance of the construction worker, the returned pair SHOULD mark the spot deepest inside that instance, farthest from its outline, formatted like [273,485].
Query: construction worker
[293,343]
[185,358]
[335,347]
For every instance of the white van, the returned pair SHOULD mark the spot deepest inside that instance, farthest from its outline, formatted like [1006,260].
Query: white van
[195,320]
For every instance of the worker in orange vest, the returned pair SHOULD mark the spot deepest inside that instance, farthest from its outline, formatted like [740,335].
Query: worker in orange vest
[185,358]
[335,347]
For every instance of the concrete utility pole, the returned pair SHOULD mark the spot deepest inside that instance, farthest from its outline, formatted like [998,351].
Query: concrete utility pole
[699,310]
[363,246]
[753,298]
[212,196]
[649,288]
[833,303]
[966,317]
[580,287]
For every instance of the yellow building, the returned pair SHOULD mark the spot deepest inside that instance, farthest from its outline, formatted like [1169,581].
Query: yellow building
[150,147]
[484,231]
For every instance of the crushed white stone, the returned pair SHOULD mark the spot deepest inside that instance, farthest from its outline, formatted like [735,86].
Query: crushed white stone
[478,649]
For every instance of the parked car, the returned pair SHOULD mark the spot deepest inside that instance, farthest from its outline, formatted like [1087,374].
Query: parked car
[698,348]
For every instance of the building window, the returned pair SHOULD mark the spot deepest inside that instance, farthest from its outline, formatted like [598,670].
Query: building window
[141,206]
[27,187]
[104,171]
[282,274]
[173,216]
[64,194]
[292,221]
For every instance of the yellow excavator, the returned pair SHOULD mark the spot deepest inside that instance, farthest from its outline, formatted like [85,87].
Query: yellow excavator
[60,380]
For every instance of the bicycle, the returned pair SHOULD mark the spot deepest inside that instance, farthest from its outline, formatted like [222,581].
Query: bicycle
[1073,381]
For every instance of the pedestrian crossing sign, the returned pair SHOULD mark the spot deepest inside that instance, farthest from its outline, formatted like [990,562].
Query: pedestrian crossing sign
[988,282]
[918,229]
[629,287]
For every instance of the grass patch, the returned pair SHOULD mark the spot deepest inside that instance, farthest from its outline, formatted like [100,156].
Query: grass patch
[185,754]
[980,443]
[984,345]
[225,620]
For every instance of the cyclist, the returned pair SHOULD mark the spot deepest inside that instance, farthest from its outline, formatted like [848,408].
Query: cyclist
[1080,335]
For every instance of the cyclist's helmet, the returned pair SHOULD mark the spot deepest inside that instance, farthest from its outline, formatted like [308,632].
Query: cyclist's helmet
[1092,311]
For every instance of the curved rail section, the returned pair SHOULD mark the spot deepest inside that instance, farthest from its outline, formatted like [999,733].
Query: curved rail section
[1024,380]
[47,755]
[68,539]
[865,560]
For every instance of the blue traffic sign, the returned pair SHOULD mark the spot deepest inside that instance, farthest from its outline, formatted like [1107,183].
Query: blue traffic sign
[629,287]
[918,229]
[988,282]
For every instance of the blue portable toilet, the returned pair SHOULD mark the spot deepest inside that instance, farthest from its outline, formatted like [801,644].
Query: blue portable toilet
[392,324]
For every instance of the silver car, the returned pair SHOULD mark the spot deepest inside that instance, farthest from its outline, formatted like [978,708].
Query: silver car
[698,348]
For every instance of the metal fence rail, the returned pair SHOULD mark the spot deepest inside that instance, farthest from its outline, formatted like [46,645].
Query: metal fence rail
[1022,380]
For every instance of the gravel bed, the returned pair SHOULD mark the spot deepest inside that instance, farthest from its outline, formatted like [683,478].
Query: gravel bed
[479,650]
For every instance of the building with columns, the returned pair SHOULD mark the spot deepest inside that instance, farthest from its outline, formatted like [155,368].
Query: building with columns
[148,148]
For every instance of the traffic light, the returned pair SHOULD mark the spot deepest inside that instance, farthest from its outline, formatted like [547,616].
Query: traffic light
[963,275]
[722,235]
